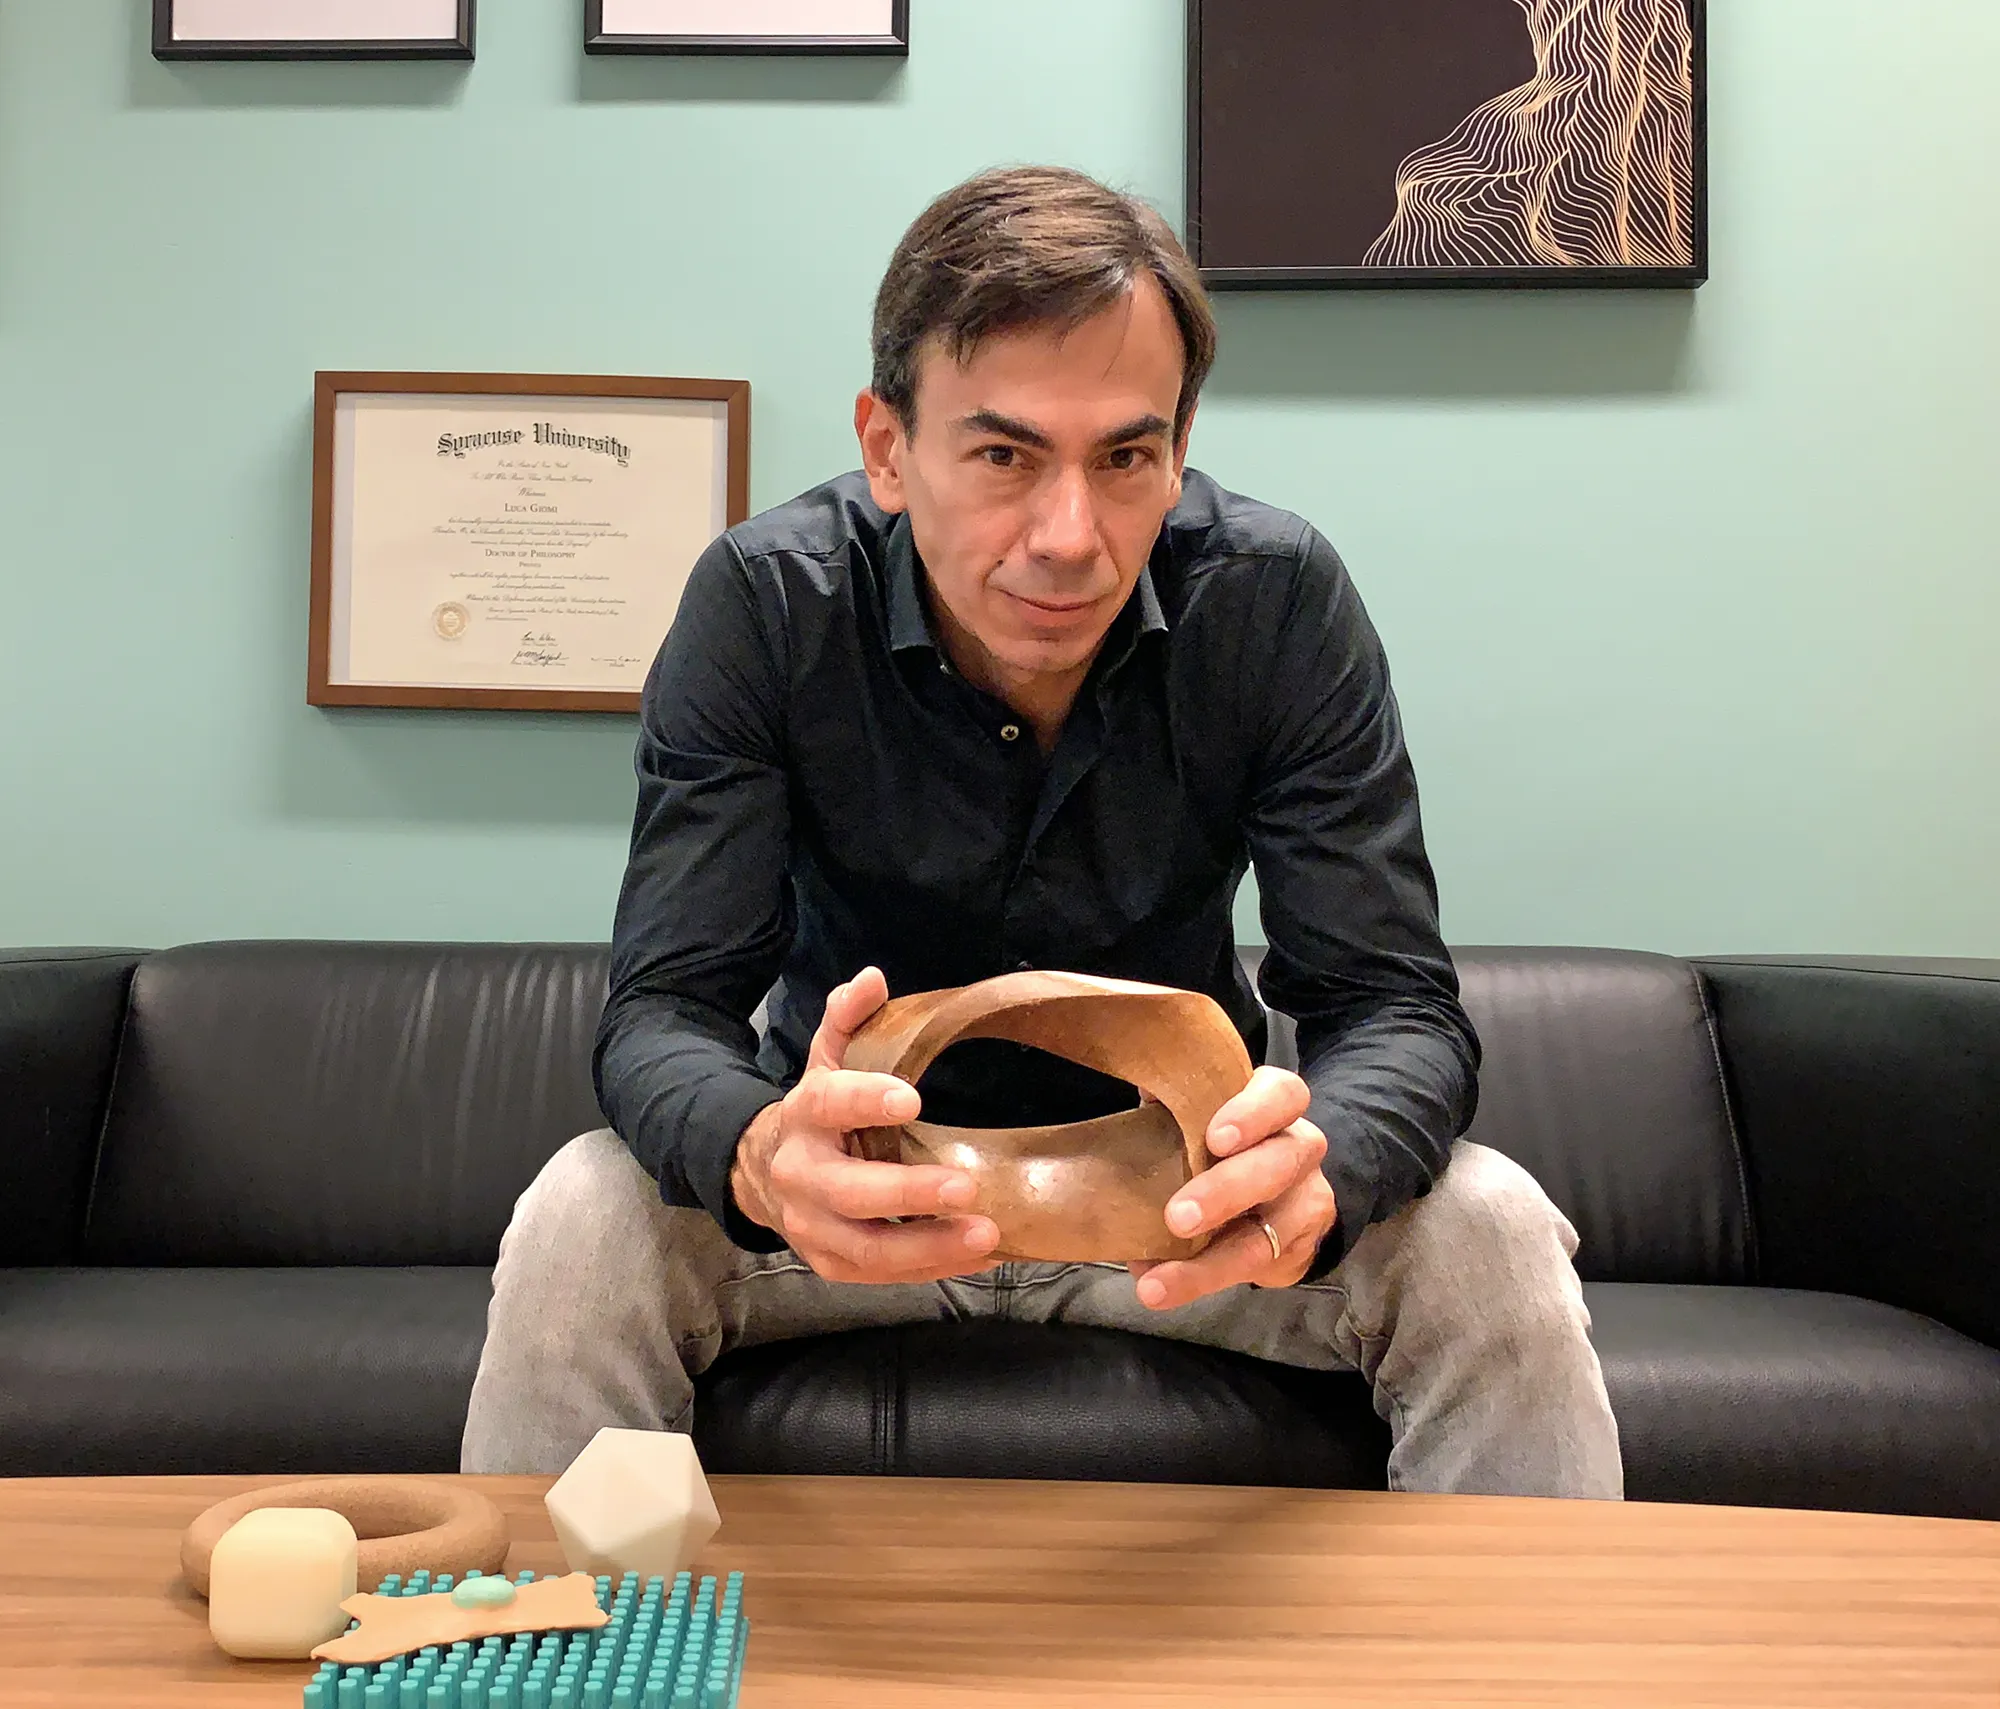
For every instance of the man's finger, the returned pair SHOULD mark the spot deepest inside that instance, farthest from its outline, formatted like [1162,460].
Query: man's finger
[847,1010]
[865,1192]
[1274,1099]
[842,1099]
[1256,1176]
[846,1251]
[1241,1255]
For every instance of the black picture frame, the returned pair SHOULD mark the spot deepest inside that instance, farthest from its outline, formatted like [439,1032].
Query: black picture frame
[895,44]
[459,45]
[1221,273]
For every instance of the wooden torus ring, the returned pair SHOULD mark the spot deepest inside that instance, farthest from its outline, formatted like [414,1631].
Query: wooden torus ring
[403,1524]
[1080,1191]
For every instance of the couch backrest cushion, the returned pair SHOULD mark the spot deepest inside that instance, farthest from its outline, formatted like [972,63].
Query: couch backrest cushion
[1601,1077]
[340,1103]
[1868,1090]
[60,1011]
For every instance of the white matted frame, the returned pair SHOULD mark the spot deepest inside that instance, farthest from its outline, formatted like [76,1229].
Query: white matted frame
[511,541]
[312,29]
[747,26]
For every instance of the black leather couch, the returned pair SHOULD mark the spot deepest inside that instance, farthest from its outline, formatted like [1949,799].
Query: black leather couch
[250,1193]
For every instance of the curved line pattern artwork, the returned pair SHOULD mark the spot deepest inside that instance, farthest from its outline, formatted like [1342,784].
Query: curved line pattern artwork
[1588,164]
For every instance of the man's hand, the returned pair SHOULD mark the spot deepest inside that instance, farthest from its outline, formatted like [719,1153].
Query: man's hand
[794,1171]
[1267,1171]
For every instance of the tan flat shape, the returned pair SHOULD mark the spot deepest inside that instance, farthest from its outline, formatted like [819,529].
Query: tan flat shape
[1092,1191]
[396,1625]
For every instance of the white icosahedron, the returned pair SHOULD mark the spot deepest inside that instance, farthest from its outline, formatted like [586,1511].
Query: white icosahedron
[634,1501]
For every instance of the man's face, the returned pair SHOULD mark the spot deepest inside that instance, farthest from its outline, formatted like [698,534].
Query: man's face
[1036,482]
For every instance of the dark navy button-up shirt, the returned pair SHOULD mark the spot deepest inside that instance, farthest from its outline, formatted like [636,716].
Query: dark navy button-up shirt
[819,790]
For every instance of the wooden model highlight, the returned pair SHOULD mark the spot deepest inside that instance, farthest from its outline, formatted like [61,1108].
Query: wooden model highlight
[1080,1191]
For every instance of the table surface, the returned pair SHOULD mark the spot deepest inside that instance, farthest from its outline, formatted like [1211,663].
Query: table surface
[893,1592]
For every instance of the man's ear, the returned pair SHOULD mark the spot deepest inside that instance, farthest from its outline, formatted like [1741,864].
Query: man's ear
[883,441]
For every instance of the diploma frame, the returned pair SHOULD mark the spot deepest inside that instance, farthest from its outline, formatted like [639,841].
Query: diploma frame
[313,45]
[896,42]
[576,391]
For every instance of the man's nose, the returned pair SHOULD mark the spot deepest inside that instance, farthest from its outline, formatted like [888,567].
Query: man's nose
[1065,526]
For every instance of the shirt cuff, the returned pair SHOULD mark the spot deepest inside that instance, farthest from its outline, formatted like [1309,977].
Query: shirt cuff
[721,1111]
[1354,1175]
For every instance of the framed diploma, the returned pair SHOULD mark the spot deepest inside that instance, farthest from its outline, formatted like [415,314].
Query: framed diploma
[746,26]
[312,29]
[511,540]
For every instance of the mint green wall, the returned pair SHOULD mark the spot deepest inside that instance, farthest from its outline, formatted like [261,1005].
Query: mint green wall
[1691,599]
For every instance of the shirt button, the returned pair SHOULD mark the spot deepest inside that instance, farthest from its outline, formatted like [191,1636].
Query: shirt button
[1010,732]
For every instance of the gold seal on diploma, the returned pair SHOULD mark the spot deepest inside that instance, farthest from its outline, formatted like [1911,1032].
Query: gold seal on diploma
[450,620]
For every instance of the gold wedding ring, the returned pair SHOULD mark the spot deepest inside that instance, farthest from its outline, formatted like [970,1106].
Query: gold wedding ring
[1277,1245]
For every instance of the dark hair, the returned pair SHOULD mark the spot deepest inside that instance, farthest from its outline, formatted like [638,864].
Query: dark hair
[1022,246]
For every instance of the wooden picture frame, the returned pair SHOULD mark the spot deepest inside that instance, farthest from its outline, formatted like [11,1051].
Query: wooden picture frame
[510,541]
[1472,145]
[705,27]
[333,29]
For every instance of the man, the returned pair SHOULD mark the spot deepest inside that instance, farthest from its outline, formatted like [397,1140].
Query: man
[1027,693]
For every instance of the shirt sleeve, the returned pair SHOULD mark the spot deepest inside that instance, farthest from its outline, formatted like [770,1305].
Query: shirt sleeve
[704,914]
[1349,907]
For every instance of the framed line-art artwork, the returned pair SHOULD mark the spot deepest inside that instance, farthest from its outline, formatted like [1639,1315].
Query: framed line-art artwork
[514,541]
[747,26]
[312,29]
[1426,143]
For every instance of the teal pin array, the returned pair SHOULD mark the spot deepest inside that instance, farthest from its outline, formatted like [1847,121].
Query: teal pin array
[669,1645]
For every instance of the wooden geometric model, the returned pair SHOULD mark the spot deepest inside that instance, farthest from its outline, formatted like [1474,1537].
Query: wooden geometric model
[1077,1192]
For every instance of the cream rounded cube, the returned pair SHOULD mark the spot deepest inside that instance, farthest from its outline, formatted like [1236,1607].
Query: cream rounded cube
[634,1501]
[276,1581]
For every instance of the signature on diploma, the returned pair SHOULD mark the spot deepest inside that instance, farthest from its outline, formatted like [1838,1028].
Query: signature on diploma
[538,648]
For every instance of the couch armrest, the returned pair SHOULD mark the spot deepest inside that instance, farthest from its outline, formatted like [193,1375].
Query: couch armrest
[61,1011]
[1867,1092]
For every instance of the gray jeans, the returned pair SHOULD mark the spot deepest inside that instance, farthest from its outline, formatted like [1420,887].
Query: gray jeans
[1463,1311]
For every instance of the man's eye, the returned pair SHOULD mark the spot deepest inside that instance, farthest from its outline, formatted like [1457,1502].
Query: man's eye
[1126,458]
[1000,456]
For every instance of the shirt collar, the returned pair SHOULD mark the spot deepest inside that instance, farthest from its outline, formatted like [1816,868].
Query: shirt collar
[910,624]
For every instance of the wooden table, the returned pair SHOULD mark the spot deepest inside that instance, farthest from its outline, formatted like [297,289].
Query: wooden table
[885,1593]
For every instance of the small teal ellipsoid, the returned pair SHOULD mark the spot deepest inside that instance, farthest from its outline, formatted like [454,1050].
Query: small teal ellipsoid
[476,1591]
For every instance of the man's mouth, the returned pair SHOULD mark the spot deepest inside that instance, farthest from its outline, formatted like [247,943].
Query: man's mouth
[1053,612]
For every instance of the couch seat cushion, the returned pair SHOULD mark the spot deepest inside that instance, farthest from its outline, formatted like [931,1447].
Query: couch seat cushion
[1774,1397]
[995,1399]
[1740,1396]
[116,1371]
